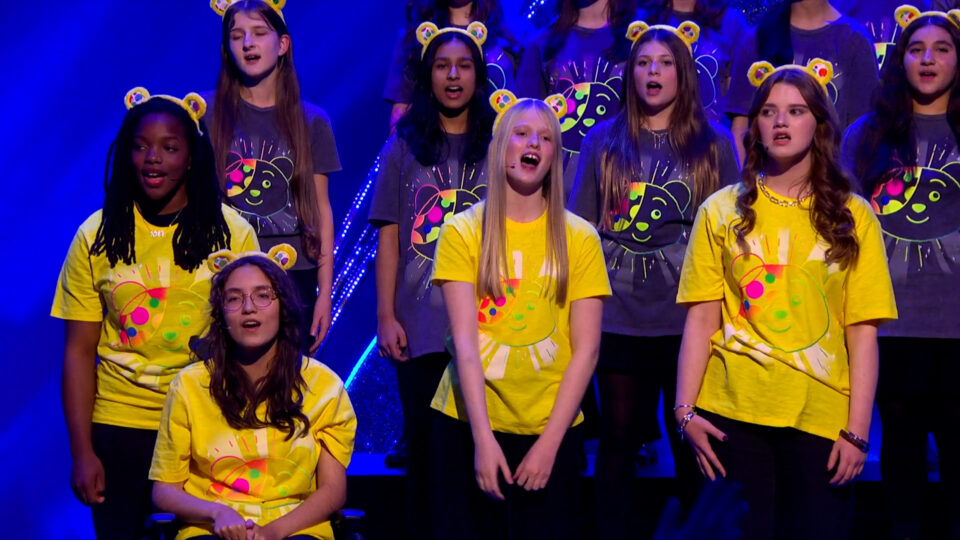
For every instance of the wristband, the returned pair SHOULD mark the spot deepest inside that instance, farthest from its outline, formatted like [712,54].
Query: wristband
[853,439]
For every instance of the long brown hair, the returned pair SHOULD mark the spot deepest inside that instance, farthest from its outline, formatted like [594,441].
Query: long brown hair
[830,187]
[493,247]
[288,112]
[690,133]
[283,387]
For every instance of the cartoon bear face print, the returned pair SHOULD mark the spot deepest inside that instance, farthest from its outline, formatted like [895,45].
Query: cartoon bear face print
[241,478]
[784,303]
[522,317]
[587,104]
[651,216]
[708,69]
[259,187]
[433,208]
[919,204]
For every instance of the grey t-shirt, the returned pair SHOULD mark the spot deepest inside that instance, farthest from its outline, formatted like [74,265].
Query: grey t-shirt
[877,17]
[918,206]
[844,42]
[590,82]
[260,167]
[645,248]
[713,54]
[398,88]
[419,199]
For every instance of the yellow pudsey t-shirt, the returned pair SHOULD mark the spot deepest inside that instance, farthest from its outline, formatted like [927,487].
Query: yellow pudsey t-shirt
[149,311]
[258,472]
[524,335]
[780,358]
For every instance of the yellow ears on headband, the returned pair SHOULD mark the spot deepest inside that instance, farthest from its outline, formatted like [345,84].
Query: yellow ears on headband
[427,31]
[818,68]
[192,102]
[221,6]
[503,100]
[906,14]
[282,254]
[687,31]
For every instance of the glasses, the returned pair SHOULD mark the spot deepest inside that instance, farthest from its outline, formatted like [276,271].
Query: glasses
[262,298]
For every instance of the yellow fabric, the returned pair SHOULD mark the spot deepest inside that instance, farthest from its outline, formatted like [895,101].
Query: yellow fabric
[525,336]
[257,472]
[149,310]
[780,358]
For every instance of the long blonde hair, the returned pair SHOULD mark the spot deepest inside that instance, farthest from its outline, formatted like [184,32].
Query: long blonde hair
[493,249]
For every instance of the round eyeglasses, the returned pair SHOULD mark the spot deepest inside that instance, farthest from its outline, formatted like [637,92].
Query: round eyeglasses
[262,298]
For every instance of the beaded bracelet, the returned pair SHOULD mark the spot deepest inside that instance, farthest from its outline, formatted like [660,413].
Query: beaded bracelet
[853,439]
[682,424]
[683,406]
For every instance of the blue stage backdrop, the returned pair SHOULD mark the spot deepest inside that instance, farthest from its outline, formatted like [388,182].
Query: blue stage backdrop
[66,75]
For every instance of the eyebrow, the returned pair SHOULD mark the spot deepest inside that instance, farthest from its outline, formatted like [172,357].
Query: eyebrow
[937,42]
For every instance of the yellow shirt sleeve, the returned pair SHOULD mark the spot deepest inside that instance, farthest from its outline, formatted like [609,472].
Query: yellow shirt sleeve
[701,279]
[171,454]
[457,257]
[588,276]
[77,297]
[336,427]
[868,292]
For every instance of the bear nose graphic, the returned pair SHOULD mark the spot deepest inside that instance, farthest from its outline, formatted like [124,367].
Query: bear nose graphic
[918,208]
[255,192]
[642,226]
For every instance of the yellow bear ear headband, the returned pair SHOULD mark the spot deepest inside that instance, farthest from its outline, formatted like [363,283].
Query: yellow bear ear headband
[821,70]
[192,103]
[221,6]
[687,31]
[503,100]
[428,31]
[906,14]
[282,254]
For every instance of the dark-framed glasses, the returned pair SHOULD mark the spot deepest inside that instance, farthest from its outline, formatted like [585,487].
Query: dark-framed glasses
[261,298]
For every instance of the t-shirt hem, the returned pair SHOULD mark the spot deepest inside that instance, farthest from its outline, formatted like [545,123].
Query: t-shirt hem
[740,416]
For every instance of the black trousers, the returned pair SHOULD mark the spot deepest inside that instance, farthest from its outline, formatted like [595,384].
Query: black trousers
[631,374]
[417,381]
[306,281]
[917,391]
[784,479]
[460,510]
[125,454]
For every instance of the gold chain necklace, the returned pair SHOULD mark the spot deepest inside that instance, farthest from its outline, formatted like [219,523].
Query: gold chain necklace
[776,200]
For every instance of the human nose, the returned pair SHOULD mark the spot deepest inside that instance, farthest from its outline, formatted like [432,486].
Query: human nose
[654,67]
[927,57]
[454,73]
[153,155]
[780,119]
[247,39]
[534,140]
[248,306]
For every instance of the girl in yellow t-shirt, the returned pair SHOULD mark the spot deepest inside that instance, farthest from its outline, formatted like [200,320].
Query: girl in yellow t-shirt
[255,440]
[133,292]
[786,281]
[523,282]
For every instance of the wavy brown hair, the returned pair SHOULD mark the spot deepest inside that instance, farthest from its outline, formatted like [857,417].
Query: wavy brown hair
[830,187]
[690,133]
[290,118]
[283,387]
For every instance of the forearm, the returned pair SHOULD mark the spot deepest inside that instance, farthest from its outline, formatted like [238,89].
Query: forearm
[325,260]
[703,320]
[386,264]
[330,496]
[172,498]
[864,368]
[738,128]
[79,383]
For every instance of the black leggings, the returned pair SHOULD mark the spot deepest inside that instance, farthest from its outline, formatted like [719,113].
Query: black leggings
[784,479]
[916,392]
[631,375]
[126,454]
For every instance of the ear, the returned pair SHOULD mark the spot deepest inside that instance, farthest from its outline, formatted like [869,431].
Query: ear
[285,165]
[905,14]
[689,32]
[284,44]
[478,31]
[745,263]
[822,70]
[220,259]
[284,255]
[558,103]
[276,4]
[220,6]
[501,100]
[425,32]
[423,195]
[759,71]
[135,97]
[954,16]
[196,105]
[636,29]
[680,192]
